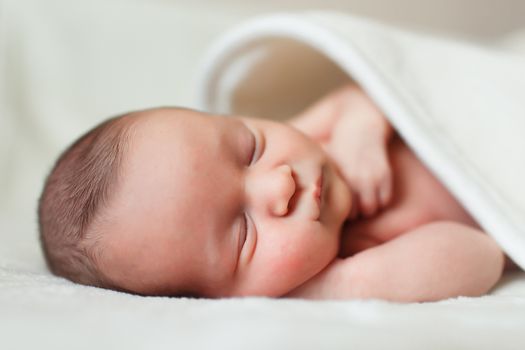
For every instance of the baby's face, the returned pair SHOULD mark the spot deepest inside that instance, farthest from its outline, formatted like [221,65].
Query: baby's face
[221,206]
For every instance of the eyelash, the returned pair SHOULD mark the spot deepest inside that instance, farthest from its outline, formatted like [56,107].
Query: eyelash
[244,231]
[254,149]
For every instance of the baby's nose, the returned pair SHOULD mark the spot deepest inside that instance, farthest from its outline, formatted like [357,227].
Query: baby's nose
[274,189]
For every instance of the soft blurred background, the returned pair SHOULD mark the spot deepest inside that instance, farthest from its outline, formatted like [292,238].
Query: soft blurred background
[67,64]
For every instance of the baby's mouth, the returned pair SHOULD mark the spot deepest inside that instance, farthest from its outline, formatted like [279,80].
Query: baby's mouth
[308,199]
[318,190]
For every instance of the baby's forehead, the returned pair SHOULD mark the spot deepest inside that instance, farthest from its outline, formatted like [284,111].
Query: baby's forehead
[178,120]
[183,149]
[189,131]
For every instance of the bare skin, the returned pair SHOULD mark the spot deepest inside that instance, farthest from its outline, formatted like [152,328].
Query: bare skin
[398,232]
[231,206]
[221,206]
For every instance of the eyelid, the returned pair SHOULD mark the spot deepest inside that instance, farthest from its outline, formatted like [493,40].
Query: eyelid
[259,145]
[249,243]
[243,232]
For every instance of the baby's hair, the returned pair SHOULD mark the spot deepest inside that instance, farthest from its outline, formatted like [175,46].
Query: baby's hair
[75,193]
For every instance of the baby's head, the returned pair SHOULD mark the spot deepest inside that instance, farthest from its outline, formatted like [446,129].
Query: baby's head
[171,201]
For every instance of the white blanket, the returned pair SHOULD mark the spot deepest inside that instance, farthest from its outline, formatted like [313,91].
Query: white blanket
[460,107]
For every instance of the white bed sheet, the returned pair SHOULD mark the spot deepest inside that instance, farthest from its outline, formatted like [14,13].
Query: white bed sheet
[41,311]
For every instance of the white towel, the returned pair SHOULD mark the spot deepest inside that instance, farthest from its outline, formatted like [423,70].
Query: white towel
[460,107]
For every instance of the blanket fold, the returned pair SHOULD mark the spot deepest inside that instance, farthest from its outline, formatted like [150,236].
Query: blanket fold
[460,107]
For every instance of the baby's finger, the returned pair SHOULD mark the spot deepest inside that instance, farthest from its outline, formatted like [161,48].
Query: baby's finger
[385,191]
[368,201]
[354,211]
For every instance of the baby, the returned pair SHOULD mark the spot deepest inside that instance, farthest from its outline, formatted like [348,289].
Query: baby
[332,204]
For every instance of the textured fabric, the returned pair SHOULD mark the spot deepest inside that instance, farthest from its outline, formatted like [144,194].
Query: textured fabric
[43,312]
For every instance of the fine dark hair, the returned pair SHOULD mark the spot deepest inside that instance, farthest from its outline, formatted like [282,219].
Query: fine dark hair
[77,189]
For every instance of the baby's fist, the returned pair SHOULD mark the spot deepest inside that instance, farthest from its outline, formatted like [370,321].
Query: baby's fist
[366,169]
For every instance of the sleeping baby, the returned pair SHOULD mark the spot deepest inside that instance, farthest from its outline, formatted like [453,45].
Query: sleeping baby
[330,205]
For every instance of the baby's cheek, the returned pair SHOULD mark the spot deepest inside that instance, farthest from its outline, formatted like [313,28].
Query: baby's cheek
[281,269]
[289,255]
[302,259]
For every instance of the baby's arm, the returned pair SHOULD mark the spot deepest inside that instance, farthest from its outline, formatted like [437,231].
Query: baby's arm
[432,262]
[346,108]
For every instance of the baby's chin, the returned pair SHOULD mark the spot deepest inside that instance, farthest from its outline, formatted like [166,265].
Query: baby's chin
[342,197]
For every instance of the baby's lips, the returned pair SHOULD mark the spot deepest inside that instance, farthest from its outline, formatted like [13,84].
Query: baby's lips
[307,200]
[316,214]
[312,202]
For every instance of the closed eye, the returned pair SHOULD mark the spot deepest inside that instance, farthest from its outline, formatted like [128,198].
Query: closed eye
[257,146]
[253,149]
[243,233]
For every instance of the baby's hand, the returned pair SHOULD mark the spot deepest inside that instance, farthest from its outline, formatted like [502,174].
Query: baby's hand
[358,144]
[363,161]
